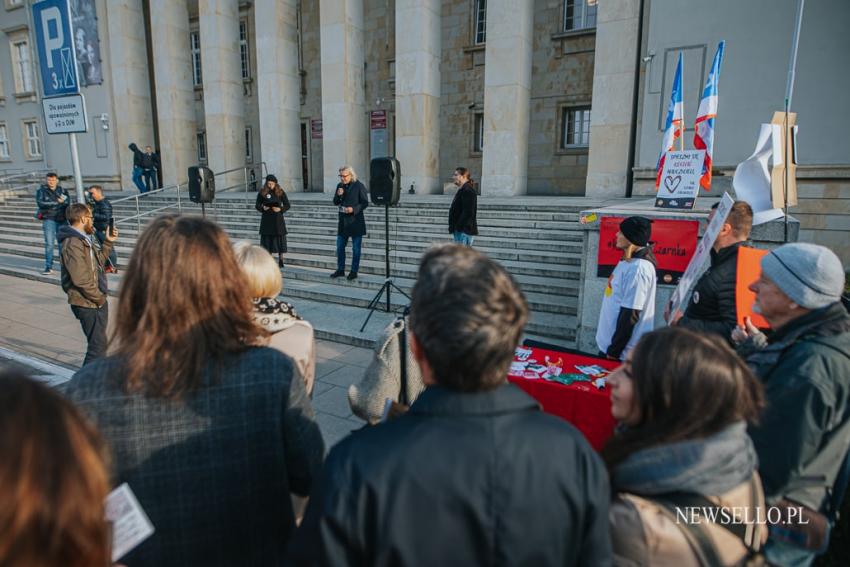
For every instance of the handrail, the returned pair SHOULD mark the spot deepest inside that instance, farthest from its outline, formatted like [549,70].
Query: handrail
[246,183]
[139,214]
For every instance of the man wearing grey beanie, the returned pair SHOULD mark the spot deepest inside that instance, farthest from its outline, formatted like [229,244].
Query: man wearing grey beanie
[804,365]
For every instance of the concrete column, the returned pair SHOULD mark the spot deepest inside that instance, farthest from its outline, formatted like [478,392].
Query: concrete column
[278,89]
[507,96]
[613,88]
[131,118]
[224,109]
[344,133]
[417,99]
[174,96]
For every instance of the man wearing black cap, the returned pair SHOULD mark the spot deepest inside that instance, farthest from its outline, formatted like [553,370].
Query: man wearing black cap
[628,306]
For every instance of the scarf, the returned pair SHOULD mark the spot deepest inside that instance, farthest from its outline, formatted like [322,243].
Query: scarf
[710,466]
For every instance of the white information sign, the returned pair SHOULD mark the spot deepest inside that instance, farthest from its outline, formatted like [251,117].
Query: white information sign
[701,255]
[65,114]
[680,177]
[130,524]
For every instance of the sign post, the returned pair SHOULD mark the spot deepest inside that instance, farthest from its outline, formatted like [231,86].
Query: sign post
[57,60]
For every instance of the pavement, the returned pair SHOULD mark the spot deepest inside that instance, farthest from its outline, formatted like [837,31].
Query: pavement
[41,337]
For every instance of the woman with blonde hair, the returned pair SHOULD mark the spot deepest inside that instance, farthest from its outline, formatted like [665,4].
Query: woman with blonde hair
[289,333]
[53,480]
[212,431]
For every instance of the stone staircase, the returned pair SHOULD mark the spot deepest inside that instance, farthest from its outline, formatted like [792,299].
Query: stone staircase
[538,241]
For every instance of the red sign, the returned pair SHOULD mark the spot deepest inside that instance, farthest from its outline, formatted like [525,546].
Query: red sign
[378,120]
[316,129]
[673,243]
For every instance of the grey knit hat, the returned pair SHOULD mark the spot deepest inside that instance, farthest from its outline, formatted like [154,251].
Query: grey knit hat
[811,275]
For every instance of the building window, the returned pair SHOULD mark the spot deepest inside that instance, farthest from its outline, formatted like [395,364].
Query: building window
[249,145]
[32,139]
[22,64]
[4,142]
[243,49]
[478,132]
[579,14]
[480,19]
[575,127]
[195,43]
[201,142]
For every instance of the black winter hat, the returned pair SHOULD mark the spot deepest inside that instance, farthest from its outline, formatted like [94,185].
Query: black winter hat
[271,178]
[637,230]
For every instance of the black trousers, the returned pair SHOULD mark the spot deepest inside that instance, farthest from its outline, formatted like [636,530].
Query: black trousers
[93,321]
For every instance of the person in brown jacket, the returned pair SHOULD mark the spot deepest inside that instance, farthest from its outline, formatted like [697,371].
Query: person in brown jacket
[682,467]
[83,278]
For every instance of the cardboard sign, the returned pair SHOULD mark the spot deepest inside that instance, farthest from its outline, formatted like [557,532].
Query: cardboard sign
[680,177]
[674,244]
[749,270]
[702,254]
[787,131]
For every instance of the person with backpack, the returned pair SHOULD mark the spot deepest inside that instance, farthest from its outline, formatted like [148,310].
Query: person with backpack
[803,436]
[683,401]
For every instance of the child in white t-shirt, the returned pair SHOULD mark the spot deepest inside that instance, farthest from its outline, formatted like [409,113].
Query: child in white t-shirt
[628,306]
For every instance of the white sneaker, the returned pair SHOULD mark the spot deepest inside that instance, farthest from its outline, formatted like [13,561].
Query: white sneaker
[47,272]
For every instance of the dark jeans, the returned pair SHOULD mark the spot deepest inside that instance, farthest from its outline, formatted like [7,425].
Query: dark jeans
[113,257]
[150,178]
[93,321]
[137,178]
[356,243]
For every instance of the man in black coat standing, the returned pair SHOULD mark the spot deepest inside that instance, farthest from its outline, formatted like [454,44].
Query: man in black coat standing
[474,473]
[713,304]
[463,222]
[352,199]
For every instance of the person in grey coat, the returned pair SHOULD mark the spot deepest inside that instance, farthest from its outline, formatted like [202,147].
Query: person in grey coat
[211,432]
[474,473]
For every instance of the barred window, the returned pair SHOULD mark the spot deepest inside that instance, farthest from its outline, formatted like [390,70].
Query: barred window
[197,73]
[201,142]
[249,145]
[243,49]
[480,21]
[478,132]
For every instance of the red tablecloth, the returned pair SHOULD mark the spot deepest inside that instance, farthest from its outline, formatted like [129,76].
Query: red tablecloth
[582,404]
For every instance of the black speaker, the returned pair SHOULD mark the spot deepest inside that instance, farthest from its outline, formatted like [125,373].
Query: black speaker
[201,184]
[385,181]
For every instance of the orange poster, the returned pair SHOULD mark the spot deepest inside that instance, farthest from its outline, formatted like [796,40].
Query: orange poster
[749,270]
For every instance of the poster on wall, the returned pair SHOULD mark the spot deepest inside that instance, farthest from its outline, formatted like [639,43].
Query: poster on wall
[86,42]
[674,245]
[316,129]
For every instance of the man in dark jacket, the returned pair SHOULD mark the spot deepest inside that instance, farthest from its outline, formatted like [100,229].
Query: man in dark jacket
[145,164]
[804,432]
[713,307]
[52,201]
[463,223]
[83,279]
[102,213]
[474,473]
[352,199]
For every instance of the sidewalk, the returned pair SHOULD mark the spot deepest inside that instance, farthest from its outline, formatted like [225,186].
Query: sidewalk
[37,326]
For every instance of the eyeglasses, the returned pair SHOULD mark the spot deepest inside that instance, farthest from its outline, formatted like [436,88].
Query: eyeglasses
[344,175]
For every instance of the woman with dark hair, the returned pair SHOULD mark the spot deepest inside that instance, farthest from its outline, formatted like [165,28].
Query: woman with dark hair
[683,401]
[463,223]
[272,203]
[210,431]
[53,480]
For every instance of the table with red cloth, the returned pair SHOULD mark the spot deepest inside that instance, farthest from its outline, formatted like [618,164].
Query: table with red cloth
[584,405]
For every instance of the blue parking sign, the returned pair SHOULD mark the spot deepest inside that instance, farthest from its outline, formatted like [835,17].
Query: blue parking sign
[55,41]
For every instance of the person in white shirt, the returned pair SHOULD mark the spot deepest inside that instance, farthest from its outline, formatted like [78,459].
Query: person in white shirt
[628,306]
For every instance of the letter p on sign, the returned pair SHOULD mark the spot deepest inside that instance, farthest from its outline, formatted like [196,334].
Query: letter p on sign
[54,38]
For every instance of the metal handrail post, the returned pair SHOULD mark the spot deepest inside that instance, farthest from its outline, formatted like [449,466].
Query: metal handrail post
[179,207]
[138,217]
[245,177]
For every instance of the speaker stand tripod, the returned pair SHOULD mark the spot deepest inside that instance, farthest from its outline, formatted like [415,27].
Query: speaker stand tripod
[388,282]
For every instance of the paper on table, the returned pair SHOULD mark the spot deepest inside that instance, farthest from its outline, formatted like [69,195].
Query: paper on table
[130,524]
[752,176]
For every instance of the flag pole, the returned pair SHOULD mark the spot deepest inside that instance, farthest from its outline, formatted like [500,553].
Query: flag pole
[789,92]
[682,121]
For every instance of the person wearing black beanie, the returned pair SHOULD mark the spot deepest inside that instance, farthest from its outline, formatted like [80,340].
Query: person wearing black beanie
[628,306]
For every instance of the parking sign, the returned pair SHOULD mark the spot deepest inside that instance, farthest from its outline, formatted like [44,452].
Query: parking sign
[55,41]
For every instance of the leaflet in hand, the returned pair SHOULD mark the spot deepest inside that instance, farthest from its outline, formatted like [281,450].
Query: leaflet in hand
[130,524]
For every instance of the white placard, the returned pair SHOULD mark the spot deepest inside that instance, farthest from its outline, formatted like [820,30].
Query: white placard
[130,524]
[701,255]
[752,176]
[65,114]
[680,177]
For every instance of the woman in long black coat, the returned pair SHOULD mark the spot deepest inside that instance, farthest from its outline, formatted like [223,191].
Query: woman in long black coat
[272,203]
